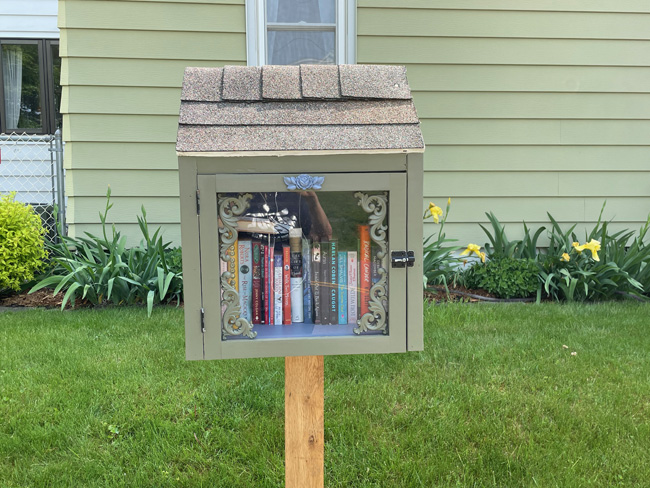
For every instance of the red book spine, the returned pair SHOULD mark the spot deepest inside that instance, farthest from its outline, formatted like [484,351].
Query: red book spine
[286,285]
[257,284]
[364,268]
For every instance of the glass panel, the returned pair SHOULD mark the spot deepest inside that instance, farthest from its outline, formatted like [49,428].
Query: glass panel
[302,264]
[294,11]
[301,47]
[56,81]
[22,86]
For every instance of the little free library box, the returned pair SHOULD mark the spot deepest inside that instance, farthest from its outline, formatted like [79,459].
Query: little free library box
[301,211]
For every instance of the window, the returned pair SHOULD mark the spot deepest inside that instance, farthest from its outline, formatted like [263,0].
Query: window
[30,92]
[301,32]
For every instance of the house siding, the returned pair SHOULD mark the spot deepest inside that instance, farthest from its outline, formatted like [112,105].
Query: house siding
[526,107]
[28,19]
[122,70]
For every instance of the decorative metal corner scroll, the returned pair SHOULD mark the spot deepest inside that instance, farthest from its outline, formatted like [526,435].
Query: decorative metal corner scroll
[304,182]
[375,319]
[232,324]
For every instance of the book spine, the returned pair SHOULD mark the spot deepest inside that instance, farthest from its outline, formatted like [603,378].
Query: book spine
[233,266]
[296,275]
[245,279]
[307,299]
[334,289]
[343,287]
[375,265]
[286,285]
[316,280]
[277,288]
[270,271]
[364,268]
[352,287]
[263,288]
[257,283]
[325,283]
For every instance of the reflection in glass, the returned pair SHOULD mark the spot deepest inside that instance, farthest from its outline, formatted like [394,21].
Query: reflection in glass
[294,11]
[21,83]
[301,47]
[56,77]
[312,262]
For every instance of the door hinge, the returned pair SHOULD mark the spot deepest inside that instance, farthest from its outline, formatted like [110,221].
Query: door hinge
[198,202]
[202,321]
[402,259]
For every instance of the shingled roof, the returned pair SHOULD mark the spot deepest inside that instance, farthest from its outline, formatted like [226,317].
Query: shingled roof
[297,108]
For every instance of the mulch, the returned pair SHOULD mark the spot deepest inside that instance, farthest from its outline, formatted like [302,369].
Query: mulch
[39,299]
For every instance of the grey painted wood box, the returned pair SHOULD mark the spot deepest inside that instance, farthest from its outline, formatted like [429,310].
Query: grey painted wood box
[301,197]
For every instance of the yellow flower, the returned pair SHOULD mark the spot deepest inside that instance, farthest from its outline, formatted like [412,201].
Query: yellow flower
[449,201]
[566,257]
[435,211]
[594,246]
[578,247]
[473,248]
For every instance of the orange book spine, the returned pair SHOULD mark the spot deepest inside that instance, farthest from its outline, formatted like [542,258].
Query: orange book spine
[364,268]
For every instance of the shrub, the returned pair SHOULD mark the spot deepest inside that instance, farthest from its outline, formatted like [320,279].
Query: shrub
[21,243]
[504,277]
[101,269]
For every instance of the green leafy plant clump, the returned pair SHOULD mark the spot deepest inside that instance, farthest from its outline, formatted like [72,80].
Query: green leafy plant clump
[22,247]
[505,277]
[101,269]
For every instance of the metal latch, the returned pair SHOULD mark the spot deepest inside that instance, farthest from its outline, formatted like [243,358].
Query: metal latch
[402,259]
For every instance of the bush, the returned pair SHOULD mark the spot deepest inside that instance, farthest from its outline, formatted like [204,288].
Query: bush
[21,243]
[504,277]
[102,269]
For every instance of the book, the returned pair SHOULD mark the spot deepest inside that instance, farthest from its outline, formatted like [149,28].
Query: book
[342,280]
[375,265]
[295,273]
[307,299]
[353,301]
[277,289]
[263,289]
[316,280]
[286,285]
[257,283]
[333,283]
[324,282]
[244,256]
[232,266]
[364,269]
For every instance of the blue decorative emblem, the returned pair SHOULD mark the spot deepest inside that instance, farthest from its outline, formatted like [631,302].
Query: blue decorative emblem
[304,182]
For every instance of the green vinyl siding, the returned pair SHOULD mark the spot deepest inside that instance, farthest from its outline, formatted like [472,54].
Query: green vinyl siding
[526,107]
[122,70]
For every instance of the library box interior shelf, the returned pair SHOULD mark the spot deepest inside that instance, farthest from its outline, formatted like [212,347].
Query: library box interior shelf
[301,211]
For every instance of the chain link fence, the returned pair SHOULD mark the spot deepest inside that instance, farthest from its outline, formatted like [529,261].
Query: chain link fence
[32,166]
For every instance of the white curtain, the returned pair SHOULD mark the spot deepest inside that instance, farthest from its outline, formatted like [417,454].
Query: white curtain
[301,47]
[12,69]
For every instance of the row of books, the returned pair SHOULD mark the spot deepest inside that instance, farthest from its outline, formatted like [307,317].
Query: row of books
[302,282]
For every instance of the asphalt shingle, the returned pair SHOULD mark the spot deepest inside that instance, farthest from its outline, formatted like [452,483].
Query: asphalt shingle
[242,83]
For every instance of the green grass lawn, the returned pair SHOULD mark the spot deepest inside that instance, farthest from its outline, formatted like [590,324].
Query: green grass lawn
[105,398]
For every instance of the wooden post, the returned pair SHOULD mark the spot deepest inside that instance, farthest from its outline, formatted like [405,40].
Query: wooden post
[304,421]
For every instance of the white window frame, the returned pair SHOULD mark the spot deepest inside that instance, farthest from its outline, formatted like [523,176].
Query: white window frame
[346,32]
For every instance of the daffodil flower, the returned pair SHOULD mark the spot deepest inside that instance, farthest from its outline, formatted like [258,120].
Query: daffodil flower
[594,246]
[435,211]
[473,248]
[566,257]
[578,247]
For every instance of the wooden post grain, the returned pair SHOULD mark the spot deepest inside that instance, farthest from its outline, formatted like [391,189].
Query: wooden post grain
[304,421]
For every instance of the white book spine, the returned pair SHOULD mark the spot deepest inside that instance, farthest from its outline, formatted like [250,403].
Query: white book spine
[245,262]
[353,284]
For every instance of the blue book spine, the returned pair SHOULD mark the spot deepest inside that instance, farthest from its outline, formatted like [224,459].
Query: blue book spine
[343,287]
[308,301]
